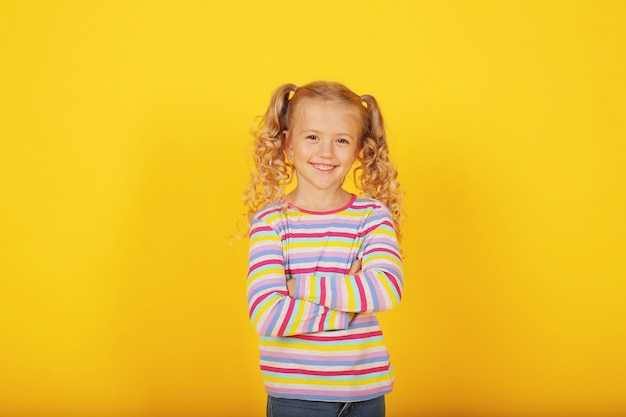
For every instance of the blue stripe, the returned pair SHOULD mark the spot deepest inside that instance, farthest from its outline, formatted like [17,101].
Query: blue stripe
[364,361]
[261,289]
[331,261]
[274,319]
[267,252]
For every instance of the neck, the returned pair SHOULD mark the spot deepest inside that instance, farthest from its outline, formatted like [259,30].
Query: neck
[321,201]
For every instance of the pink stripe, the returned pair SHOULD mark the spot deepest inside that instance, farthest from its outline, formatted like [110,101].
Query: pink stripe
[376,226]
[393,281]
[322,234]
[257,302]
[268,212]
[323,319]
[359,285]
[379,249]
[261,228]
[324,358]
[283,326]
[264,263]
[323,290]
[325,373]
[344,337]
[262,298]
[318,269]
[367,205]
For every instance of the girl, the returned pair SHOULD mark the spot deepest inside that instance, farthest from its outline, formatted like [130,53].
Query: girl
[323,261]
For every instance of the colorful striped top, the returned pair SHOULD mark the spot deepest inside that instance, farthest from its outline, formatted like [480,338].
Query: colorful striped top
[325,343]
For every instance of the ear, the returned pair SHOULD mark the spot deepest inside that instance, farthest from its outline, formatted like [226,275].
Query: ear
[287,143]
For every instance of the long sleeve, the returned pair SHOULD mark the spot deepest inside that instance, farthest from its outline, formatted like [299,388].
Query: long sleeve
[377,287]
[326,354]
[272,311]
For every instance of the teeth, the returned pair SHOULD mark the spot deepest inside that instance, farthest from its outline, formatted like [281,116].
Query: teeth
[323,167]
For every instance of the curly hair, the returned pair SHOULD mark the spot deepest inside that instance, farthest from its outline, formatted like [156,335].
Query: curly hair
[375,175]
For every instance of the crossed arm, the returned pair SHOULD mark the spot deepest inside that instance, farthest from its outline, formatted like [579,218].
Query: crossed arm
[354,269]
[309,303]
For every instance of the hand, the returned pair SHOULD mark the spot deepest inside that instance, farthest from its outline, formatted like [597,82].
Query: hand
[291,287]
[355,268]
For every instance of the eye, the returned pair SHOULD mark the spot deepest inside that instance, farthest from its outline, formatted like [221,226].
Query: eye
[343,140]
[312,137]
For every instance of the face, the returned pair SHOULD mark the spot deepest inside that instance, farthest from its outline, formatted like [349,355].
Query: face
[323,141]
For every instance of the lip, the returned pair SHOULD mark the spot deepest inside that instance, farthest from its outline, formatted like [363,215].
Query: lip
[323,168]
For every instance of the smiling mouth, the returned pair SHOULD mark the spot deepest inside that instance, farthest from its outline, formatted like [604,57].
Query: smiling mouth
[323,167]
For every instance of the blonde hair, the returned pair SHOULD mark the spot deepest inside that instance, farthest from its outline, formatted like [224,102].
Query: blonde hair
[375,175]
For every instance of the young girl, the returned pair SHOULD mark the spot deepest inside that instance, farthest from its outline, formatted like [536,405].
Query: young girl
[323,261]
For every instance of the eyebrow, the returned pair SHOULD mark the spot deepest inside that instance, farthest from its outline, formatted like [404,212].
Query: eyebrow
[318,132]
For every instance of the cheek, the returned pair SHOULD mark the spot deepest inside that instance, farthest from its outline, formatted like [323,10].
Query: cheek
[356,152]
[350,157]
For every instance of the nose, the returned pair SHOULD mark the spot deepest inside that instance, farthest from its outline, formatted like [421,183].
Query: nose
[326,148]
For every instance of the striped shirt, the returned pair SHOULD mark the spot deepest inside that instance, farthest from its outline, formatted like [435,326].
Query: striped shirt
[325,343]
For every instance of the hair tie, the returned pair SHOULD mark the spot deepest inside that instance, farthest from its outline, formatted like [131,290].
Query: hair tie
[292,93]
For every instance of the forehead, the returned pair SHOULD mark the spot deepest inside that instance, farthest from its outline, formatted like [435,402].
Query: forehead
[309,112]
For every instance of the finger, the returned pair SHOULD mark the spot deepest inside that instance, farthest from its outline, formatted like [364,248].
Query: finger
[356,267]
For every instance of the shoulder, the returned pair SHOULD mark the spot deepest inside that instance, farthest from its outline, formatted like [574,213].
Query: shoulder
[376,217]
[370,206]
[269,218]
[267,213]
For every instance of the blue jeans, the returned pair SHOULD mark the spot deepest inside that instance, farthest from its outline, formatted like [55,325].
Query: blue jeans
[283,407]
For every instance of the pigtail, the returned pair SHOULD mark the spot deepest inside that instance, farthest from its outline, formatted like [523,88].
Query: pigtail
[271,173]
[274,121]
[378,176]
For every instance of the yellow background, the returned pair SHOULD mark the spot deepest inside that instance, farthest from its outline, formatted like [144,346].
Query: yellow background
[124,152]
